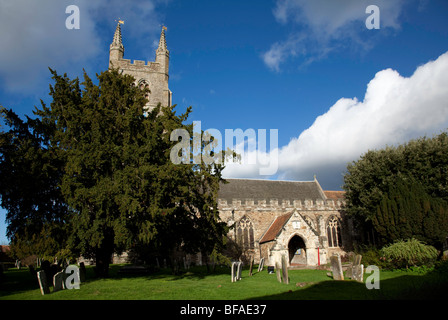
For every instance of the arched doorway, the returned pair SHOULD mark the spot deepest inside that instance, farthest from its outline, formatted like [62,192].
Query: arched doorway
[297,251]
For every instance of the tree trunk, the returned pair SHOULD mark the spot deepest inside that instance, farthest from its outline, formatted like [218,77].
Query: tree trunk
[103,257]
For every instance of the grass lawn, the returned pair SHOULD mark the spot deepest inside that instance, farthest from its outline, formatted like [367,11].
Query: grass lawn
[196,284]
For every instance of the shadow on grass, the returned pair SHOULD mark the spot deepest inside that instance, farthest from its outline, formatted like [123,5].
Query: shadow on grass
[431,286]
[408,287]
[194,273]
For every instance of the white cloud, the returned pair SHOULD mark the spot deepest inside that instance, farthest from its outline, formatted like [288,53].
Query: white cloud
[394,110]
[34,37]
[320,26]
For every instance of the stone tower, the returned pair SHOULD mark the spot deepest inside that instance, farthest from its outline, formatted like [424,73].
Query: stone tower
[151,75]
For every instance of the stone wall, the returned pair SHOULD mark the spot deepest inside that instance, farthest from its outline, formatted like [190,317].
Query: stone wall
[313,217]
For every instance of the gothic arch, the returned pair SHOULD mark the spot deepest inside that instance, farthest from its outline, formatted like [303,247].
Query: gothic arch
[245,233]
[297,249]
[334,234]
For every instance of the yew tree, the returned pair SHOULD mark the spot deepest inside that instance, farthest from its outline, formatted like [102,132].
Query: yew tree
[116,177]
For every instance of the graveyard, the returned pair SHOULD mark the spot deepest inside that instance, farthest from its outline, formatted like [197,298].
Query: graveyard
[237,282]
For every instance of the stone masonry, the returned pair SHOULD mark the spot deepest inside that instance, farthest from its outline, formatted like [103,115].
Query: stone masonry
[151,75]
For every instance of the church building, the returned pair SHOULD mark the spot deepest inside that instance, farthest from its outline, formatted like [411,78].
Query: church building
[269,218]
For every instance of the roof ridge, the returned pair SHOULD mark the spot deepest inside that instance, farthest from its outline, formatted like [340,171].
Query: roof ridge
[269,180]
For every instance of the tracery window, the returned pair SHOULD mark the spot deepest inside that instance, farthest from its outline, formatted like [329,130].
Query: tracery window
[245,233]
[143,85]
[334,232]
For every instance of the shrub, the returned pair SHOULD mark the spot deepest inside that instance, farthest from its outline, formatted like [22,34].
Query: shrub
[411,252]
[371,255]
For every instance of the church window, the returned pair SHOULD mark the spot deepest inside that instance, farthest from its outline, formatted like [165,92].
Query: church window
[245,233]
[334,232]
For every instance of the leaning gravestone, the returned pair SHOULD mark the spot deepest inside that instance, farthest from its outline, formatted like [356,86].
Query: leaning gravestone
[58,281]
[261,265]
[43,284]
[285,270]
[336,267]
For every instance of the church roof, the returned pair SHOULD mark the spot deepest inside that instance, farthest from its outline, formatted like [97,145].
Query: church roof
[270,189]
[275,228]
[335,195]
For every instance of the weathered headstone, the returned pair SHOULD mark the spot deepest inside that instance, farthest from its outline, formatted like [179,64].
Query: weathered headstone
[285,270]
[355,265]
[43,284]
[240,269]
[58,281]
[233,271]
[278,272]
[336,267]
[358,273]
[251,266]
[261,265]
[357,260]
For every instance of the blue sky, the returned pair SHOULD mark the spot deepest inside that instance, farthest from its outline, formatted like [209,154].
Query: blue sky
[310,69]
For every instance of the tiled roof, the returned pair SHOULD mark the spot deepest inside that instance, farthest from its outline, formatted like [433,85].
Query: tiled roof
[270,189]
[275,228]
[335,195]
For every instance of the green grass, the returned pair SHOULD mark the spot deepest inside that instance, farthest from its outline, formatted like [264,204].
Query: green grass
[197,284]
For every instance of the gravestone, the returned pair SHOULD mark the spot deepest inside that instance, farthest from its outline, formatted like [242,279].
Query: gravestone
[355,265]
[240,269]
[357,260]
[285,270]
[278,272]
[358,273]
[251,266]
[336,267]
[236,271]
[58,281]
[43,283]
[261,265]
[233,270]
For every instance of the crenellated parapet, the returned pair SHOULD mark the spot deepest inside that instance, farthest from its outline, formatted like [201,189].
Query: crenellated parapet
[283,205]
[138,65]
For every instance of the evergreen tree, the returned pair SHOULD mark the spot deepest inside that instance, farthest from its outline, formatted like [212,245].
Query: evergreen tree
[92,175]
[401,191]
[37,214]
[118,177]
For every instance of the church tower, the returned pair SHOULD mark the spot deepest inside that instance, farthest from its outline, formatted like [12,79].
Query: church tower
[151,75]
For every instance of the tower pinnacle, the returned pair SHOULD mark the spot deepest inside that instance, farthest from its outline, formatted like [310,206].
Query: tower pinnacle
[162,42]
[117,41]
[116,50]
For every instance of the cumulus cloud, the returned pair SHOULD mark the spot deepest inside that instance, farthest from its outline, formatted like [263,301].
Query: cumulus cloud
[394,110]
[34,37]
[318,27]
